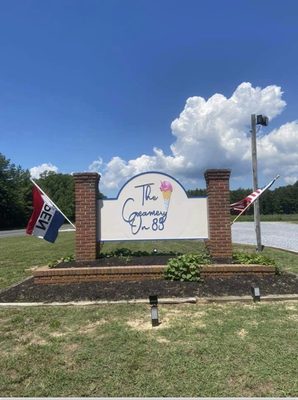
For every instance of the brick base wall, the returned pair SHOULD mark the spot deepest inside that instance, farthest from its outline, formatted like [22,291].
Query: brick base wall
[220,236]
[86,193]
[46,276]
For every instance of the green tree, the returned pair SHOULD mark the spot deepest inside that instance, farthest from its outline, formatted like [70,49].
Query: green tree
[15,195]
[60,189]
[196,192]
[282,200]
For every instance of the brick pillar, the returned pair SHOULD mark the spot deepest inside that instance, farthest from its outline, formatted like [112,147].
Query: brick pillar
[86,191]
[220,236]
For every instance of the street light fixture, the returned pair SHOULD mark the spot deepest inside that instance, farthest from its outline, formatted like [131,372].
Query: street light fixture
[262,120]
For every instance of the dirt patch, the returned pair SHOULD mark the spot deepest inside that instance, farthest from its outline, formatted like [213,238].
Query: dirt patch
[140,325]
[242,333]
[91,327]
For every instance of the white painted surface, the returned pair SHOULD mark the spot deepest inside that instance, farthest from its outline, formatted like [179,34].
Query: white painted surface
[140,212]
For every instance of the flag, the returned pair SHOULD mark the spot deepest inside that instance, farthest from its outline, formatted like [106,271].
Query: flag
[45,220]
[242,205]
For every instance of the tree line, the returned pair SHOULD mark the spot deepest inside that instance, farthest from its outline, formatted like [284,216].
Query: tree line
[16,195]
[282,200]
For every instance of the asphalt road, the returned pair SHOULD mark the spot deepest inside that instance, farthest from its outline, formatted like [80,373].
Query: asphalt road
[22,232]
[274,234]
[16,232]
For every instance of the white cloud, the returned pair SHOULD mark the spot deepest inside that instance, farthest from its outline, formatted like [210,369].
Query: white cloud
[35,172]
[214,133]
[278,152]
[96,165]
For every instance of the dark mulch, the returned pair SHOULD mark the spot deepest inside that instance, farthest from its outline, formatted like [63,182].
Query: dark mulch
[236,286]
[116,261]
[27,291]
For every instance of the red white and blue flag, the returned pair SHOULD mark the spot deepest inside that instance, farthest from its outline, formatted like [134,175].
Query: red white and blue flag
[45,220]
[242,205]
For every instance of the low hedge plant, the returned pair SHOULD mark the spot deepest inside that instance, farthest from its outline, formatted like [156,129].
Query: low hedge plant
[186,268]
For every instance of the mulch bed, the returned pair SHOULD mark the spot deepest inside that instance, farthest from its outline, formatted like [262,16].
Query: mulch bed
[27,291]
[116,261]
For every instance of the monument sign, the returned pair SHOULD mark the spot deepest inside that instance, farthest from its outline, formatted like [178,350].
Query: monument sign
[152,206]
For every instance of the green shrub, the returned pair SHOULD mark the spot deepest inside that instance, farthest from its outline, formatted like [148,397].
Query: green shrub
[186,267]
[63,259]
[125,252]
[252,258]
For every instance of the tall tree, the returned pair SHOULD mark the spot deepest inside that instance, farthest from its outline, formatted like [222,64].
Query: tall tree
[14,194]
[60,189]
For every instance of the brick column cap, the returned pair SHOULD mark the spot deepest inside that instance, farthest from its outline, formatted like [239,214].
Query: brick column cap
[217,174]
[86,176]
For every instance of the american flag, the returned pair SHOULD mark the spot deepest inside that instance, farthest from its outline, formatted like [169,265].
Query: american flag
[242,205]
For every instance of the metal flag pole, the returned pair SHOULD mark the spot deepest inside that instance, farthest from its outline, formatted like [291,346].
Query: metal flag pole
[34,183]
[241,213]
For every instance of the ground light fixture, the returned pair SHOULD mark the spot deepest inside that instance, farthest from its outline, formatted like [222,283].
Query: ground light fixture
[153,300]
[255,291]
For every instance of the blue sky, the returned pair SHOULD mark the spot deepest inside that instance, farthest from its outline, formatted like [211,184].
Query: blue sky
[96,85]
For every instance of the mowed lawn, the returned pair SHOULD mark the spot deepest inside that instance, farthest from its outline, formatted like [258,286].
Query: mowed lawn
[19,254]
[226,350]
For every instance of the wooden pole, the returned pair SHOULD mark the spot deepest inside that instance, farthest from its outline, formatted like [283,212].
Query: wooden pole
[255,180]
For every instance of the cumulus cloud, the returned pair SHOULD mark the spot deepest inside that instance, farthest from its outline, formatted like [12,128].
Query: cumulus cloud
[35,172]
[278,151]
[214,133]
[96,165]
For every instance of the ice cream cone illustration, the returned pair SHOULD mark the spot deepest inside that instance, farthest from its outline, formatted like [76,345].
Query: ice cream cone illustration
[166,190]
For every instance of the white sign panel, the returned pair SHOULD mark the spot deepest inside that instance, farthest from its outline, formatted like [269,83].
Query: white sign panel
[152,206]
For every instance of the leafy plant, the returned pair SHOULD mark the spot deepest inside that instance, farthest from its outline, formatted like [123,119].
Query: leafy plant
[124,259]
[124,252]
[252,258]
[66,259]
[186,267]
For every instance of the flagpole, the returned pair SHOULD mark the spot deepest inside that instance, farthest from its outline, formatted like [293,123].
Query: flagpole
[241,213]
[34,183]
[263,191]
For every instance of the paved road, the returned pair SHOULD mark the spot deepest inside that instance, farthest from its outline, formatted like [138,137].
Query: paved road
[22,232]
[274,234]
[16,232]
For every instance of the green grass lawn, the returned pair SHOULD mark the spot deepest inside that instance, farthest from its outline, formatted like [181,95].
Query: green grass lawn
[19,254]
[112,350]
[292,218]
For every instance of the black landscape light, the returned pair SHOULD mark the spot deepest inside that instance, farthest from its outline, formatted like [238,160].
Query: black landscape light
[255,291]
[153,300]
[155,251]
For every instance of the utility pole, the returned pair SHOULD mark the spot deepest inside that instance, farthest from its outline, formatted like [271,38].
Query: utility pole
[259,120]
[255,180]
